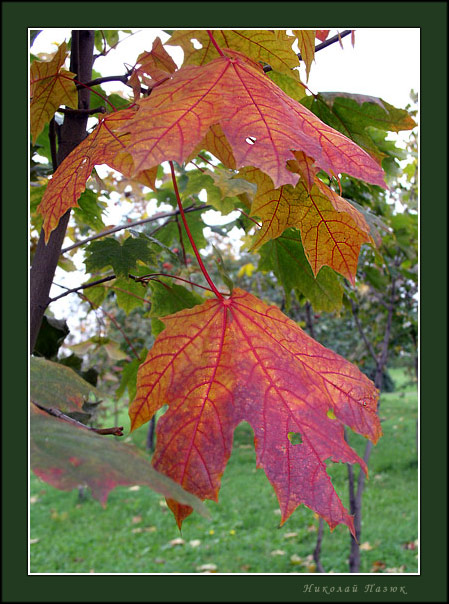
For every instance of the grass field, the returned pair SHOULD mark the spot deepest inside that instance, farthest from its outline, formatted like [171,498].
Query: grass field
[136,533]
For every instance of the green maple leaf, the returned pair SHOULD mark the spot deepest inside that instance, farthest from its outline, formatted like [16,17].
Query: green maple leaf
[286,258]
[355,115]
[122,258]
[167,300]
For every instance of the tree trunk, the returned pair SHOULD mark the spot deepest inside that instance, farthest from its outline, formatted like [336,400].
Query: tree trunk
[355,497]
[72,132]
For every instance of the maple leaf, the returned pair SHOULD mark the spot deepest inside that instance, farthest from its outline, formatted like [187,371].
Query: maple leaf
[66,456]
[355,114]
[261,123]
[122,258]
[168,299]
[237,359]
[286,258]
[272,47]
[322,34]
[102,146]
[306,43]
[332,230]
[157,63]
[50,87]
[216,143]
[294,88]
[221,186]
[54,385]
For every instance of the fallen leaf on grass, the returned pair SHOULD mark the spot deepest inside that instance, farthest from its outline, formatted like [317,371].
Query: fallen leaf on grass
[278,552]
[194,543]
[396,569]
[144,529]
[34,499]
[366,546]
[290,535]
[134,488]
[177,541]
[32,541]
[212,568]
[295,559]
[377,566]
[136,519]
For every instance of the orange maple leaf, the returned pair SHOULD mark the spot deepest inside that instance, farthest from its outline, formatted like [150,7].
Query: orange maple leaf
[50,87]
[157,64]
[237,359]
[261,123]
[332,230]
[102,146]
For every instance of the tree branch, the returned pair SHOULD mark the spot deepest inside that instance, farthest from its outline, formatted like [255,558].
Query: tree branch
[85,286]
[68,111]
[330,41]
[116,431]
[130,225]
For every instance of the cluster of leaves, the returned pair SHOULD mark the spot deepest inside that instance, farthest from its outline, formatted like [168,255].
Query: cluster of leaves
[238,112]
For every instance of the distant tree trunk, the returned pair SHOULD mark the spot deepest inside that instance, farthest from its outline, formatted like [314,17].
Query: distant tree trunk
[71,133]
[355,496]
[150,434]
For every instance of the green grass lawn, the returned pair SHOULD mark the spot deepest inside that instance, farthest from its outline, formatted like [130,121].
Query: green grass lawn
[136,533]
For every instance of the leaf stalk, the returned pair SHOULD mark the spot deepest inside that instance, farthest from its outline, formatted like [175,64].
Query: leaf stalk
[189,234]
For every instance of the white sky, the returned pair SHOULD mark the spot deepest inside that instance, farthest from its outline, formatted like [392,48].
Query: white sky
[385,62]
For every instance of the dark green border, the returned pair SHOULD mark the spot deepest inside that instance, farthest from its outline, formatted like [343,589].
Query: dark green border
[431,17]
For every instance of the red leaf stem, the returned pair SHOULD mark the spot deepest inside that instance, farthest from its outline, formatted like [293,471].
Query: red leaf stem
[192,242]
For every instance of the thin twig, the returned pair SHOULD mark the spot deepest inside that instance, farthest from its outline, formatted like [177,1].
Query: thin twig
[98,81]
[129,225]
[69,111]
[181,241]
[115,322]
[116,430]
[367,343]
[77,289]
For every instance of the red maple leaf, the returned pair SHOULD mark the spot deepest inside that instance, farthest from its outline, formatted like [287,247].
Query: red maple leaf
[237,359]
[262,124]
[102,146]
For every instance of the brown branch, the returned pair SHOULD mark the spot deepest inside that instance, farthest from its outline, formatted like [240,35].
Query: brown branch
[337,38]
[116,430]
[68,111]
[115,78]
[76,289]
[129,225]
